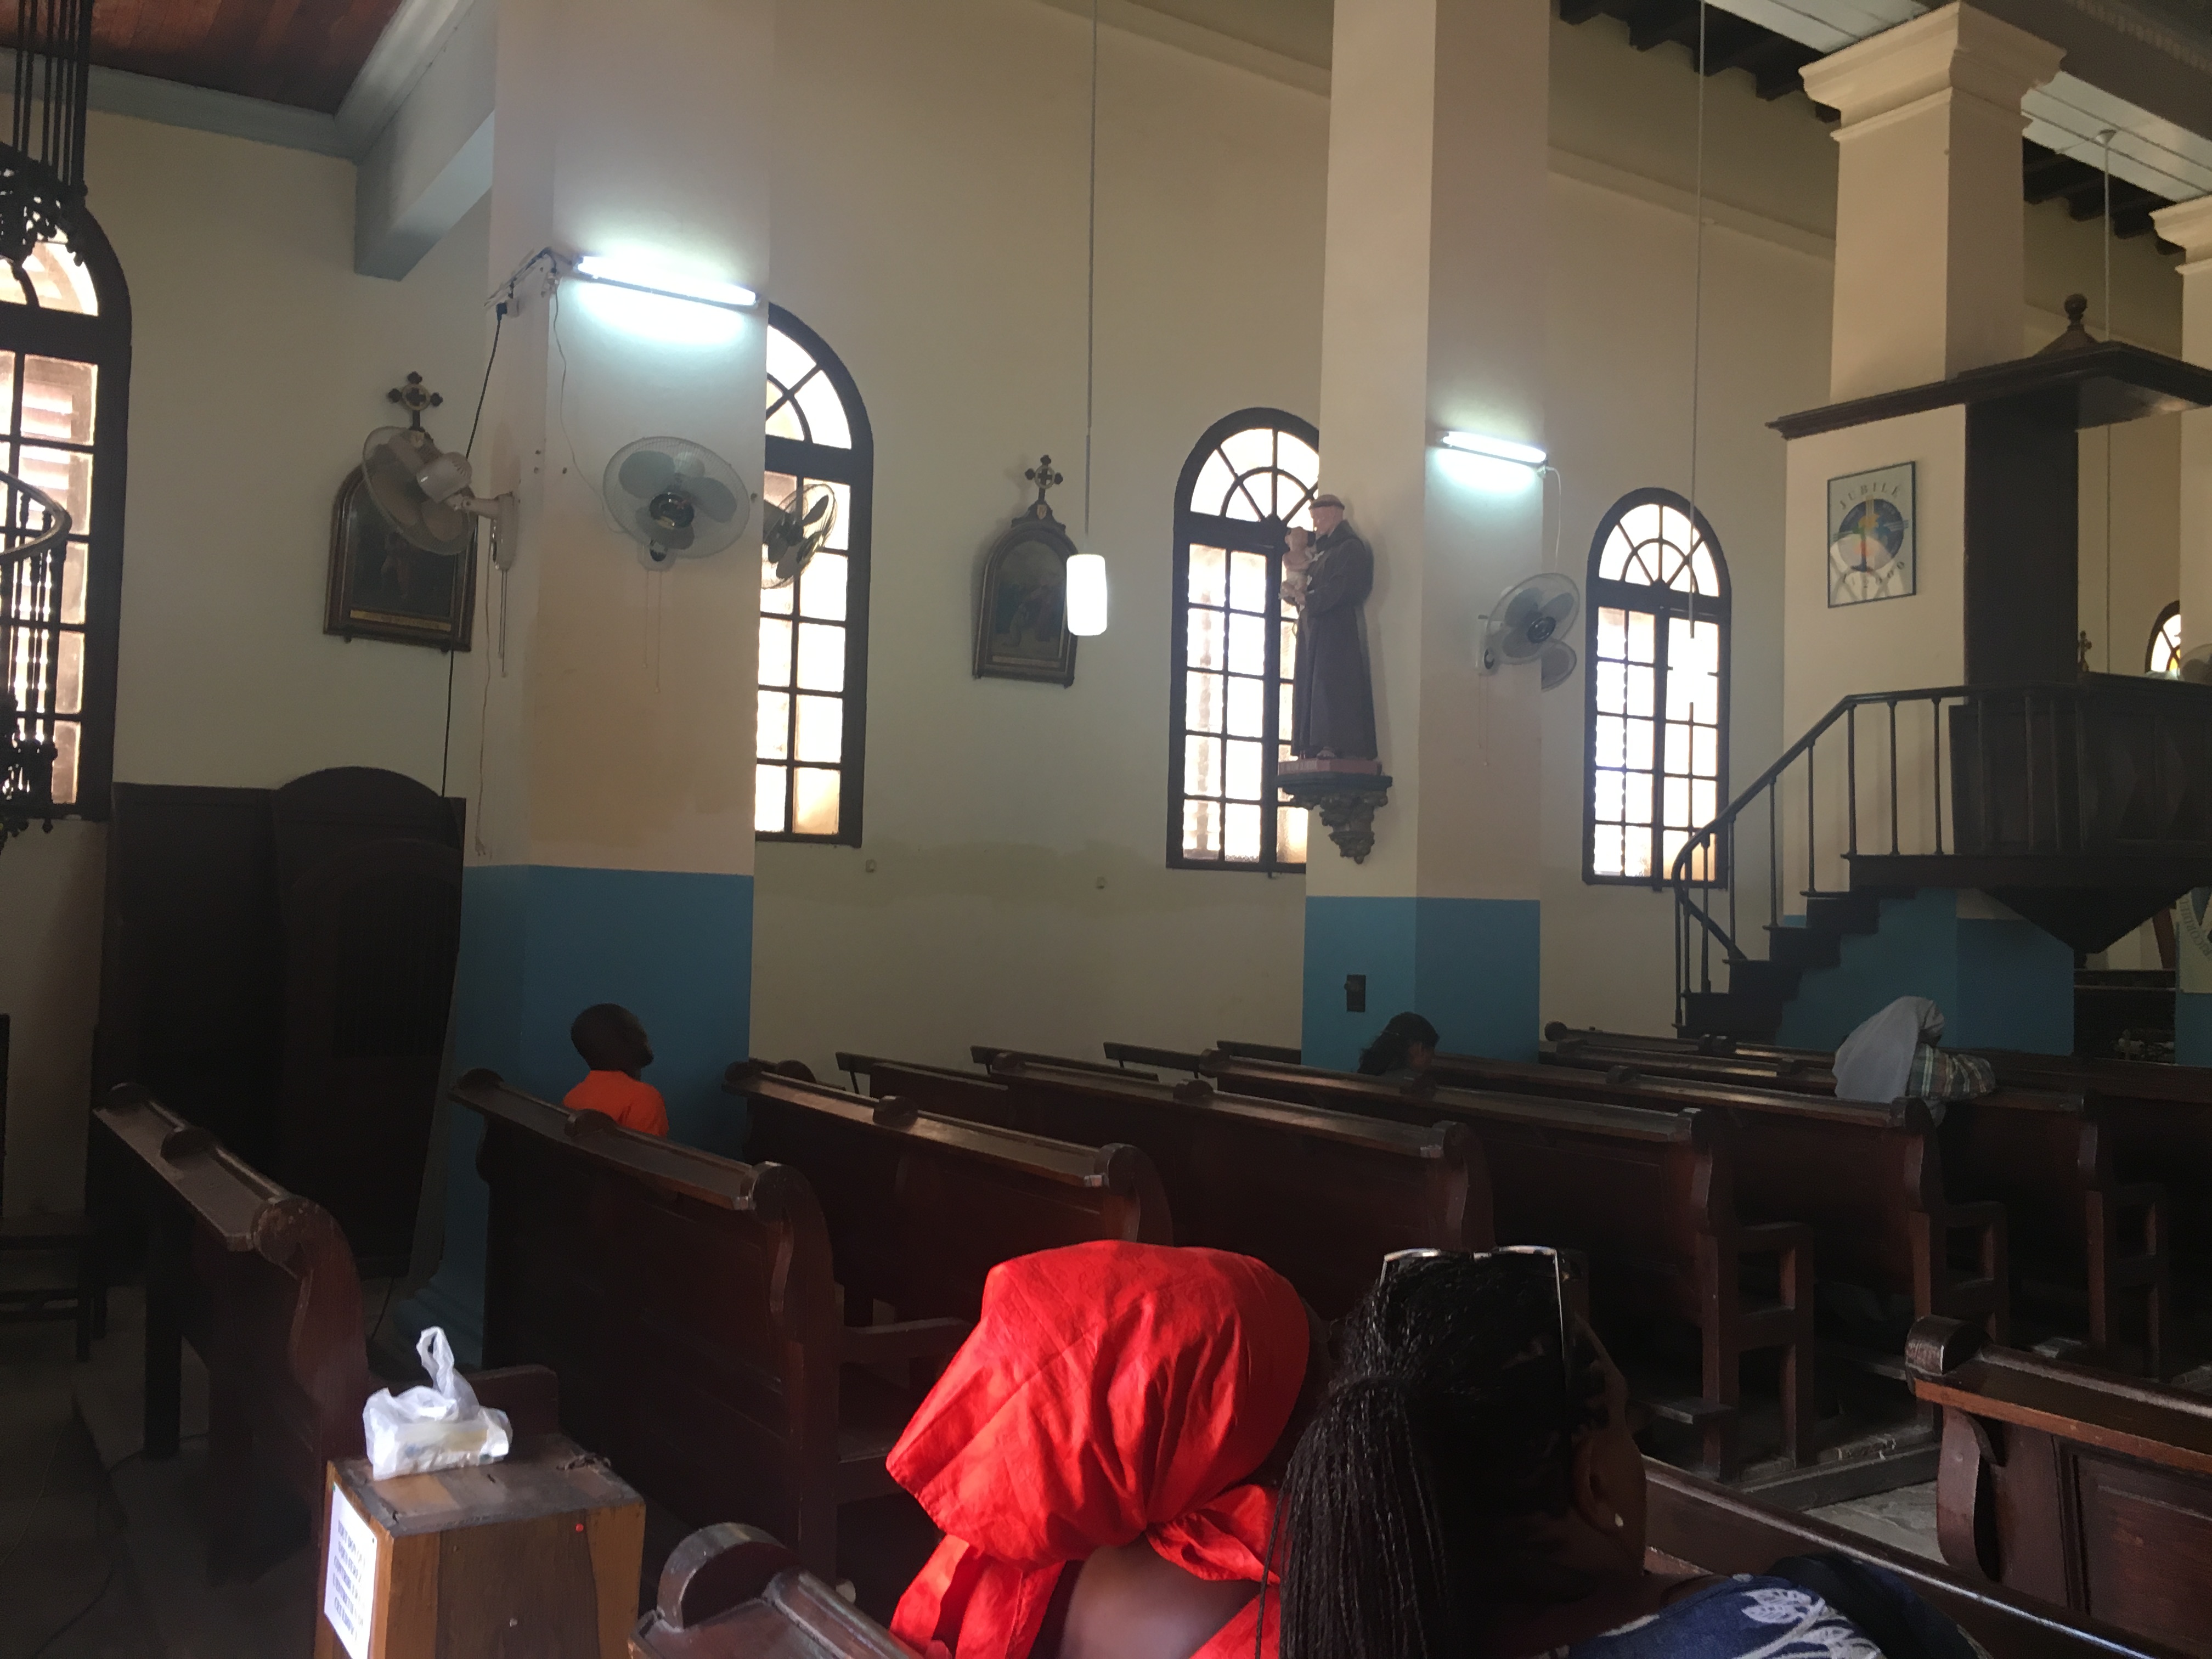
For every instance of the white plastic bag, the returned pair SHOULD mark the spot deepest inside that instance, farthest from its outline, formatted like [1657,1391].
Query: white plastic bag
[439,1427]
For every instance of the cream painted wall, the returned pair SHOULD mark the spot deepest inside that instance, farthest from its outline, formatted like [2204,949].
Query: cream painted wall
[260,363]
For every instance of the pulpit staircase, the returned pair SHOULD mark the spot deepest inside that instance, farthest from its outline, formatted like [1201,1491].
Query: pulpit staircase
[2084,806]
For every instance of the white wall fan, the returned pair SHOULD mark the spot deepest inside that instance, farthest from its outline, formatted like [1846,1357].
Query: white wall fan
[794,530]
[1529,624]
[676,500]
[424,491]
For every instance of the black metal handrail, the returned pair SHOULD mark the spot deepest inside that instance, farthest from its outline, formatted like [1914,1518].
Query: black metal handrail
[2041,797]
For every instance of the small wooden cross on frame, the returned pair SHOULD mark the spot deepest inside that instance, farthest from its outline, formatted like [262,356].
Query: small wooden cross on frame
[414,397]
[1044,479]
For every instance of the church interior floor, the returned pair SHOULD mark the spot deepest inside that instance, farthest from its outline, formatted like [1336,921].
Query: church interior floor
[102,1553]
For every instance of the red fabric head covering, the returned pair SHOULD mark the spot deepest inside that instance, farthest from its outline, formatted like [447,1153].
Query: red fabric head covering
[1110,1391]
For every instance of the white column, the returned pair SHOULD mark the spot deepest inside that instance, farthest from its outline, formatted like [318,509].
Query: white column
[1432,319]
[1929,248]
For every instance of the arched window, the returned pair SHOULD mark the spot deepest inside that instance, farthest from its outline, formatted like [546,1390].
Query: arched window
[65,373]
[1658,687]
[813,716]
[2163,657]
[1228,721]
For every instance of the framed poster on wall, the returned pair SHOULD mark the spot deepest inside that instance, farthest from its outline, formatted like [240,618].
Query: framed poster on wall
[1872,551]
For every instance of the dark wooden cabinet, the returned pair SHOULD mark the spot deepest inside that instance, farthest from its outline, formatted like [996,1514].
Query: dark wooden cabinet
[278,966]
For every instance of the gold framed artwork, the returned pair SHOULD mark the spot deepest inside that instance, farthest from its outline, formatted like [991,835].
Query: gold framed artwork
[384,587]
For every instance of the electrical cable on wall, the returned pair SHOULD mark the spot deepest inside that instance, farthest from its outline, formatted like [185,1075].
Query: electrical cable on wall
[1698,301]
[1090,284]
[2107,136]
[498,327]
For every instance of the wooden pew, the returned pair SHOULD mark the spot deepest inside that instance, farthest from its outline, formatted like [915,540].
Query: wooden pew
[1320,1197]
[986,1054]
[1693,1524]
[1649,1197]
[1870,1180]
[2048,1153]
[733,1592]
[260,1281]
[920,1207]
[2081,1489]
[688,1304]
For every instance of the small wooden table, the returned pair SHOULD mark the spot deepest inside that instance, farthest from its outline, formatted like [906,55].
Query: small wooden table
[535,1554]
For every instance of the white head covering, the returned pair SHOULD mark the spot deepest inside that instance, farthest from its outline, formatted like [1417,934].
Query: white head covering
[1876,1060]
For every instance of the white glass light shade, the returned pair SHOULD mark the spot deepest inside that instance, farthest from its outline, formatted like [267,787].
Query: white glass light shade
[1086,594]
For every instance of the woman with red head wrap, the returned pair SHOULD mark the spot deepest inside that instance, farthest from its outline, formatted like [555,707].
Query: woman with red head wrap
[1116,1400]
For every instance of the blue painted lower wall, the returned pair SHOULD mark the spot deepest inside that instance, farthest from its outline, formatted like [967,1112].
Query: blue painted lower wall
[541,942]
[1469,966]
[2193,1027]
[2000,983]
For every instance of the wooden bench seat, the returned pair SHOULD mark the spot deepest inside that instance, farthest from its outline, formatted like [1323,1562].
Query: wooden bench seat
[1870,1180]
[920,1207]
[1692,1524]
[1320,1197]
[733,1592]
[261,1282]
[1649,1197]
[2059,1482]
[2047,1152]
[687,1302]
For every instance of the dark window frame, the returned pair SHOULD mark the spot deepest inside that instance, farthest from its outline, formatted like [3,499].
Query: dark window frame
[27,330]
[1264,536]
[1662,603]
[855,468]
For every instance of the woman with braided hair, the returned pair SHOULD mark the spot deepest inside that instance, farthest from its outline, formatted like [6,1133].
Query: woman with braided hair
[1470,1489]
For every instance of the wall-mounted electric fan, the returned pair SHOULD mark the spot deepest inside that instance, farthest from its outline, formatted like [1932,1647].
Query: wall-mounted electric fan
[676,500]
[1529,624]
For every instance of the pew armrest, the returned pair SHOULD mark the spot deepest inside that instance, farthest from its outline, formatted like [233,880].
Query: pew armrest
[1771,1237]
[907,1338]
[529,1395]
[1985,1217]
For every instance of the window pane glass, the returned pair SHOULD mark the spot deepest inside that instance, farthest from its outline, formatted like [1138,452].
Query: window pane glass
[1285,710]
[814,801]
[822,587]
[1705,803]
[57,399]
[778,601]
[1639,689]
[1678,746]
[1605,850]
[63,474]
[1612,688]
[774,652]
[772,724]
[783,421]
[840,517]
[825,414]
[1612,633]
[1206,639]
[1253,448]
[65,735]
[1248,709]
[1208,576]
[1202,703]
[1607,799]
[1675,802]
[1241,832]
[1202,765]
[821,729]
[1215,480]
[1610,742]
[73,576]
[1298,457]
[68,675]
[1639,744]
[1290,835]
[1249,500]
[58,281]
[821,656]
[1642,636]
[1247,582]
[1287,665]
[1706,752]
[1636,853]
[1201,830]
[1243,776]
[768,785]
[1247,644]
[787,360]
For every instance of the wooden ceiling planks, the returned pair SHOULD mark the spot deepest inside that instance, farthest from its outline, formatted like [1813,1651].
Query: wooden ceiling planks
[302,53]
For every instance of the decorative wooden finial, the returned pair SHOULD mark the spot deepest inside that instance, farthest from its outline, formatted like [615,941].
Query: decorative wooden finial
[414,397]
[1044,479]
[2076,336]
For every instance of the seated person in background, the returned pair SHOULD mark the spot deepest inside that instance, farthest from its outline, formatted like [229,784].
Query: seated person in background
[614,1045]
[1402,1051]
[1894,1056]
[1101,1456]
[1463,1492]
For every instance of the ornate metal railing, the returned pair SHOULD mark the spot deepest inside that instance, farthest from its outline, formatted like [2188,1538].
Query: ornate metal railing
[31,572]
[1907,789]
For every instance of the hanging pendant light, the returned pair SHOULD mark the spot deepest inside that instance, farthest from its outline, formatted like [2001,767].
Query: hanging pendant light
[42,171]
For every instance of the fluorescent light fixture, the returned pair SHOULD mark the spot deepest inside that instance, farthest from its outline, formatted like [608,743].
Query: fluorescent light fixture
[618,272]
[1498,449]
[1086,594]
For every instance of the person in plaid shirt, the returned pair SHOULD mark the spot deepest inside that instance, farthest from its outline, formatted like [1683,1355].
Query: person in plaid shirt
[1894,1056]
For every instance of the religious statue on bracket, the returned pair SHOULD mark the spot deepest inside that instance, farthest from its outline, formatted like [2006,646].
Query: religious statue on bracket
[1327,576]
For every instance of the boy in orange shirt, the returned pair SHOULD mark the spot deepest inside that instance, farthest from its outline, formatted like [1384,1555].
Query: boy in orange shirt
[613,1043]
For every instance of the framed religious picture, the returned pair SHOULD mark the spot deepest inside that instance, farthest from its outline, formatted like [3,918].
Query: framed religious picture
[382,587]
[1021,605]
[1871,546]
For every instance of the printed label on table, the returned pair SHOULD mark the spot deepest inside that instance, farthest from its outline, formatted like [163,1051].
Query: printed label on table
[349,1583]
